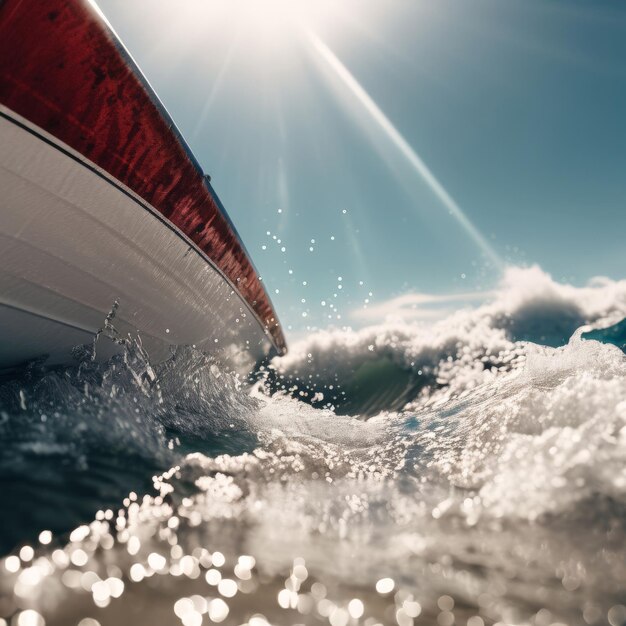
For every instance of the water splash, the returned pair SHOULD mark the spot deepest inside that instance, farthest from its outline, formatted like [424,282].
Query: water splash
[496,495]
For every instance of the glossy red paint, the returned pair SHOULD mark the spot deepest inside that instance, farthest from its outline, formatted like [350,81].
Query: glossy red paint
[62,69]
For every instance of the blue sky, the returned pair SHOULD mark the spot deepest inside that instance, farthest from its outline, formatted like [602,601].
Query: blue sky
[407,143]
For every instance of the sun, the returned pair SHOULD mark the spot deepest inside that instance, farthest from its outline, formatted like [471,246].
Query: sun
[263,23]
[280,16]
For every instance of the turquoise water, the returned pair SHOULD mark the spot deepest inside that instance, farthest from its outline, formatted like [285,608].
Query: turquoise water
[470,471]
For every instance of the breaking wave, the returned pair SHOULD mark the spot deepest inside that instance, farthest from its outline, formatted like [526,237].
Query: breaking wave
[383,367]
[468,471]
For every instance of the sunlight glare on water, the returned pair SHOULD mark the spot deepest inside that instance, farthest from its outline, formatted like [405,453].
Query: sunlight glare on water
[494,494]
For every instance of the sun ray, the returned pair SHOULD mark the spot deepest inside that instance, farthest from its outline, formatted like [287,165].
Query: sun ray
[215,88]
[400,143]
[357,256]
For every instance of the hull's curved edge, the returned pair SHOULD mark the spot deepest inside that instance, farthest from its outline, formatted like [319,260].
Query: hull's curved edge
[73,241]
[64,70]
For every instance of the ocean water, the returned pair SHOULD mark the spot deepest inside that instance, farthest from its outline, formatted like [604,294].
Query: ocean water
[470,471]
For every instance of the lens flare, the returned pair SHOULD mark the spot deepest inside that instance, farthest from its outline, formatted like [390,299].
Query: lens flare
[400,143]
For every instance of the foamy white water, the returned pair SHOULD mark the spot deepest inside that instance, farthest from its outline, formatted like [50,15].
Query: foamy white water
[471,471]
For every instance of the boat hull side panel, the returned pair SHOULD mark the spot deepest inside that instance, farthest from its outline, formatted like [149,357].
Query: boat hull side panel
[72,242]
[63,70]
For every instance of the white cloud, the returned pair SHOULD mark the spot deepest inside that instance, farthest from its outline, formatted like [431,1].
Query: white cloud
[420,306]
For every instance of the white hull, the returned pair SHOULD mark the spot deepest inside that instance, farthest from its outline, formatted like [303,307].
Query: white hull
[73,241]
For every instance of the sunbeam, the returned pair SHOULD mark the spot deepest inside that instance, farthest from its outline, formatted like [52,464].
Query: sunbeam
[215,87]
[282,192]
[402,145]
[357,256]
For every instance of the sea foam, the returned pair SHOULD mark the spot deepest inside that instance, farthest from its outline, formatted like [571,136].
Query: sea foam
[466,471]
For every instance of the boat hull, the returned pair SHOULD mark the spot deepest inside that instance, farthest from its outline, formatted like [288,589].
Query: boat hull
[73,241]
[102,201]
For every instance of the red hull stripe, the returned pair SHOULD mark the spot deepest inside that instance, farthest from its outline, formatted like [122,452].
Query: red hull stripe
[62,69]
